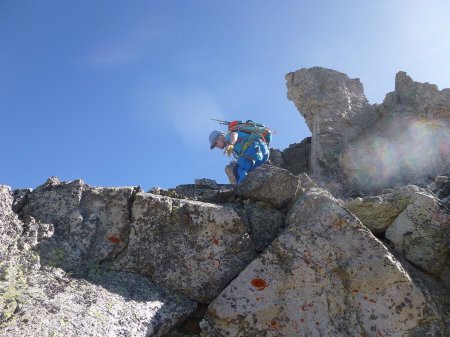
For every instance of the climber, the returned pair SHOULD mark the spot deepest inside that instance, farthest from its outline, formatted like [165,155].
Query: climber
[247,141]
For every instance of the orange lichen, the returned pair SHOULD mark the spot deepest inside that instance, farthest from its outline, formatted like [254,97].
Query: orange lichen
[259,283]
[114,239]
[339,224]
[214,240]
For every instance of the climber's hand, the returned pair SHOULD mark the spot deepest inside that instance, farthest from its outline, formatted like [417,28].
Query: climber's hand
[229,150]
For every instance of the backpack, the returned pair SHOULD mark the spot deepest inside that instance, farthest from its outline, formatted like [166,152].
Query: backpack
[256,130]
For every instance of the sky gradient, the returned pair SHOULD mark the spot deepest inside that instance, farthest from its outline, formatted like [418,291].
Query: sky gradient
[120,93]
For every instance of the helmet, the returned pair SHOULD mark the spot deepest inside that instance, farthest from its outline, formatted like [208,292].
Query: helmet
[213,138]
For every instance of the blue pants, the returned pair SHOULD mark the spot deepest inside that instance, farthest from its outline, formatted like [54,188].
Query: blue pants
[256,155]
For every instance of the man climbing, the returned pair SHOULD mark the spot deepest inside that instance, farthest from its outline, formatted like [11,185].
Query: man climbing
[247,141]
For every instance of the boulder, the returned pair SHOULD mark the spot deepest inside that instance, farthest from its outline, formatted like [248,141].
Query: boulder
[421,232]
[273,185]
[442,188]
[436,293]
[378,212]
[51,303]
[415,221]
[193,247]
[325,275]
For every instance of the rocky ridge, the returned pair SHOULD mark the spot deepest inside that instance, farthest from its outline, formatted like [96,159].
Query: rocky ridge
[277,256]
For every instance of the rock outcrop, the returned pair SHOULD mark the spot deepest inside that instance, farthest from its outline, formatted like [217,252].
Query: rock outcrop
[415,221]
[295,158]
[335,110]
[277,255]
[325,275]
[367,148]
[38,299]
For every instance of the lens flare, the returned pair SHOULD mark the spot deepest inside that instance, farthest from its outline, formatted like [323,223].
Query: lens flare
[404,150]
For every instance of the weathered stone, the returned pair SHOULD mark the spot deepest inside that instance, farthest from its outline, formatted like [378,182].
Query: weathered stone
[91,224]
[198,191]
[414,220]
[335,110]
[442,188]
[436,294]
[421,232]
[106,221]
[276,157]
[296,158]
[406,139]
[51,303]
[10,226]
[57,203]
[40,300]
[274,185]
[378,212]
[265,224]
[206,183]
[442,180]
[423,99]
[325,275]
[193,247]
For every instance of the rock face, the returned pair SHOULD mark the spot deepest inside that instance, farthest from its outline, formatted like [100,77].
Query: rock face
[326,275]
[273,256]
[122,304]
[415,221]
[193,247]
[335,110]
[295,159]
[38,299]
[404,140]
[273,185]
[421,233]
[90,261]
[378,212]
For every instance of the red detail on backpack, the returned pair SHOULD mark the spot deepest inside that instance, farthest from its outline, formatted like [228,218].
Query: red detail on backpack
[257,130]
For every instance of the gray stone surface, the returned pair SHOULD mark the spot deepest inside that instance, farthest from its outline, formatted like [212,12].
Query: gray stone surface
[273,185]
[51,303]
[367,148]
[378,212]
[275,255]
[10,226]
[39,299]
[265,223]
[193,247]
[297,157]
[326,275]
[421,232]
[335,110]
[91,224]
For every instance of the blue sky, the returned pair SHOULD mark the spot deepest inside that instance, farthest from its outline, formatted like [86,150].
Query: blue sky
[120,93]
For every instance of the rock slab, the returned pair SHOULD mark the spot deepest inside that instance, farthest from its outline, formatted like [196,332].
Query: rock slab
[326,275]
